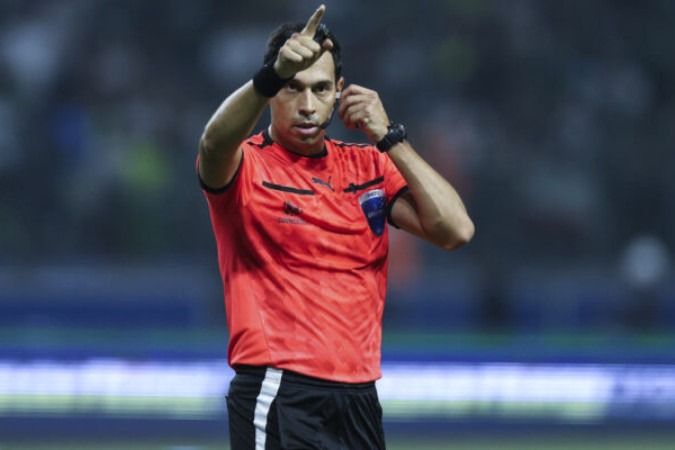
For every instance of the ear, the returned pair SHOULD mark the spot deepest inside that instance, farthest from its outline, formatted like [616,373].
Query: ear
[339,85]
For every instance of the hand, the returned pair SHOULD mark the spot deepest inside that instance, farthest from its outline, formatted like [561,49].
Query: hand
[362,108]
[300,51]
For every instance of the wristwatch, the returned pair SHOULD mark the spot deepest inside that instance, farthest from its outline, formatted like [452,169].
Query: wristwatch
[396,133]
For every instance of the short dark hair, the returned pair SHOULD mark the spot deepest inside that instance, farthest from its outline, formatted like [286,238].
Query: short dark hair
[279,36]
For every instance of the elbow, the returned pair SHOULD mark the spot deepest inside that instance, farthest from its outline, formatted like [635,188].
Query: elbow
[213,143]
[461,235]
[467,232]
[206,142]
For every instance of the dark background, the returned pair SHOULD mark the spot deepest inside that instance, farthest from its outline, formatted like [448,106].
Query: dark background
[554,120]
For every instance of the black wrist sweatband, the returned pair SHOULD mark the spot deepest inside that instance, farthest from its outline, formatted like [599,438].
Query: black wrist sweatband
[267,82]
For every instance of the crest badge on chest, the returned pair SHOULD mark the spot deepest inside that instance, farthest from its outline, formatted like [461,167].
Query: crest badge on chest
[374,206]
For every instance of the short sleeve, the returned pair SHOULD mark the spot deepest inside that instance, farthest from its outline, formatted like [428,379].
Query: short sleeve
[229,192]
[394,185]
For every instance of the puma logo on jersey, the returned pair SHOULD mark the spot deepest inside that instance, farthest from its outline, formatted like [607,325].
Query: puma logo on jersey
[323,183]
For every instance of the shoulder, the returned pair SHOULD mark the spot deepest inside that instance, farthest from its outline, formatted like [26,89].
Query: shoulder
[359,153]
[258,141]
[350,146]
[354,150]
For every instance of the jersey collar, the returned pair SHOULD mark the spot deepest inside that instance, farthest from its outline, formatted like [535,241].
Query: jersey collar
[267,140]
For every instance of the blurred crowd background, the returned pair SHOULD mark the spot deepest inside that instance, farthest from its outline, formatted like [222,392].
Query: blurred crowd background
[554,120]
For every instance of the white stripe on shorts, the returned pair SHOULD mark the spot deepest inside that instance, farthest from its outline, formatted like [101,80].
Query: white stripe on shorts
[268,392]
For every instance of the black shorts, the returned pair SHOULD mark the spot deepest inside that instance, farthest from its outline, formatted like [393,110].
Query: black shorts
[278,409]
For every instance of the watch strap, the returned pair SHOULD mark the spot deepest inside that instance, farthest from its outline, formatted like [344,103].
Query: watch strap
[396,133]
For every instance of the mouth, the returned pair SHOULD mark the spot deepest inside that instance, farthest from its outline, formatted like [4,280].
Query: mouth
[307,128]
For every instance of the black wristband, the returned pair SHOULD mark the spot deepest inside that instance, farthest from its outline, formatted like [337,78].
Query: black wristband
[267,82]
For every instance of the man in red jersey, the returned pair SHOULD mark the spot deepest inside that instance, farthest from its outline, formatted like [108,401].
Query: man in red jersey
[300,225]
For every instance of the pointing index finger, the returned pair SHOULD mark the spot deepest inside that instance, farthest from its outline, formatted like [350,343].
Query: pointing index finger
[314,21]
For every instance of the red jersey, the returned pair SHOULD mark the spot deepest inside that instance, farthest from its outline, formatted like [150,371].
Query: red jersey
[302,249]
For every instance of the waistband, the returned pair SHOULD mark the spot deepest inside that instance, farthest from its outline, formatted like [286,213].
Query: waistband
[298,378]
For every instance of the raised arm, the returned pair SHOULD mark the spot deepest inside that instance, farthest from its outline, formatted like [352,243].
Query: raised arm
[431,209]
[220,144]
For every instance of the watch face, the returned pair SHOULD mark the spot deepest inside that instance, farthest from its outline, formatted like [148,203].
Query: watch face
[400,131]
[395,135]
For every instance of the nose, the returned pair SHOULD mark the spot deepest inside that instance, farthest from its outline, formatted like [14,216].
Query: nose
[307,103]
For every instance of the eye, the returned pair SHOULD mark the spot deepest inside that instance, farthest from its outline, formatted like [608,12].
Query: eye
[321,89]
[293,87]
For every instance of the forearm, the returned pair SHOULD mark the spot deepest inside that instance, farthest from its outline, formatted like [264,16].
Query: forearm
[237,115]
[433,210]
[440,210]
[232,122]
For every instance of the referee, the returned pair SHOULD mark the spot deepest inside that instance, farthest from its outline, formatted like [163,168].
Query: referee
[300,222]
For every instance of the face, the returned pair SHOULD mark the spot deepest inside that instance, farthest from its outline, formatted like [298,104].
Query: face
[306,102]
